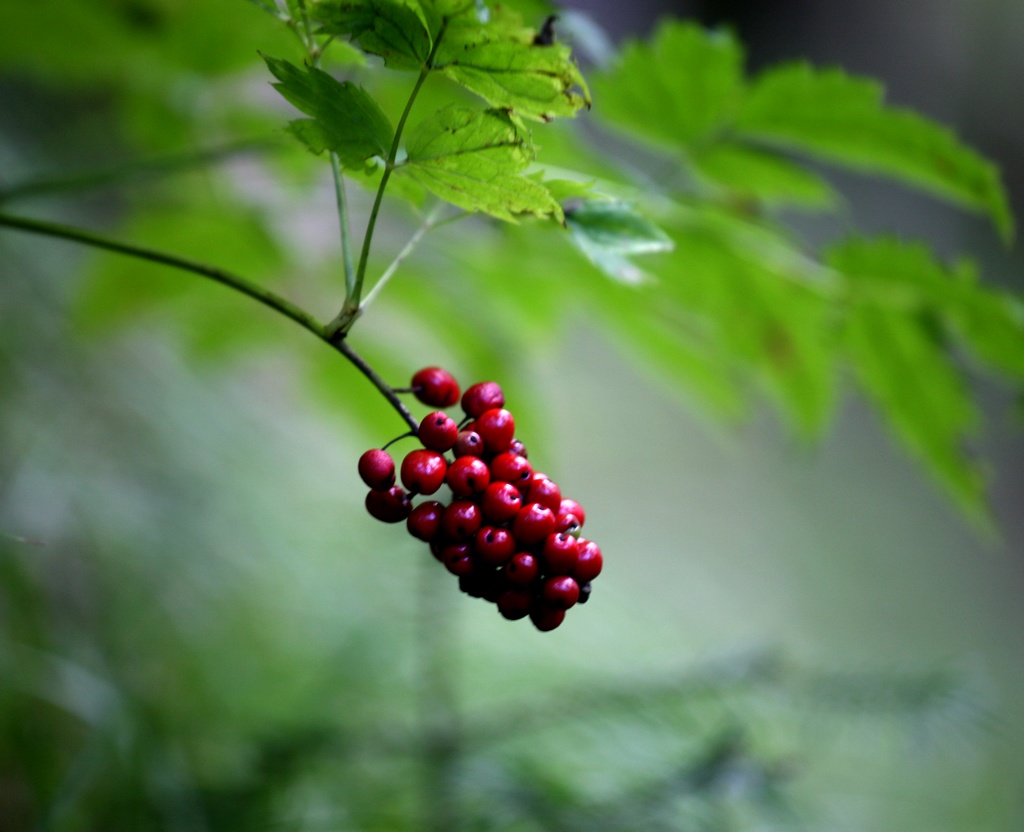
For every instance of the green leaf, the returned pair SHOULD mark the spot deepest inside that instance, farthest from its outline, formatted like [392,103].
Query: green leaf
[396,30]
[833,116]
[497,59]
[902,360]
[683,86]
[473,159]
[345,119]
[747,173]
[609,233]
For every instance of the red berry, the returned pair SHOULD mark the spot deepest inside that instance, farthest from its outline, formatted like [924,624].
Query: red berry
[568,523]
[457,559]
[588,562]
[435,387]
[425,520]
[560,592]
[533,523]
[585,591]
[546,618]
[522,569]
[377,469]
[561,554]
[391,506]
[438,431]
[509,467]
[482,396]
[497,428]
[544,491]
[461,520]
[501,501]
[517,447]
[514,604]
[468,443]
[494,546]
[423,471]
[468,475]
[568,506]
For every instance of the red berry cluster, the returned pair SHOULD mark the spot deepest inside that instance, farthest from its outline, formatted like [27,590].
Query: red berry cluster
[507,532]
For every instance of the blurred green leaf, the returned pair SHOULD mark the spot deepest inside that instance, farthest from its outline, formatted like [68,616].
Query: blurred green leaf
[345,120]
[473,159]
[834,116]
[609,233]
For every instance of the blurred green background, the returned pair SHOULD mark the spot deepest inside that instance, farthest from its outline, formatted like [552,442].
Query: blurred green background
[201,629]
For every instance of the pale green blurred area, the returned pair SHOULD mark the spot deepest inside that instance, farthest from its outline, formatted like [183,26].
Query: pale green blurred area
[202,628]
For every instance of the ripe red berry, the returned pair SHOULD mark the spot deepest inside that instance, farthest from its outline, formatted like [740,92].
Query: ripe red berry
[560,592]
[457,559]
[391,506]
[546,618]
[494,546]
[438,431]
[377,469]
[533,523]
[568,523]
[561,554]
[589,562]
[514,604]
[482,396]
[522,569]
[461,520]
[544,491]
[501,501]
[568,506]
[425,520]
[468,443]
[435,387]
[585,591]
[423,471]
[509,467]
[497,428]
[517,447]
[467,476]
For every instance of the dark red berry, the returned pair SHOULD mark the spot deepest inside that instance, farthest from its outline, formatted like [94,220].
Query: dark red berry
[423,471]
[497,428]
[585,591]
[438,431]
[514,604]
[467,476]
[509,467]
[560,592]
[561,554]
[501,501]
[589,562]
[435,387]
[482,396]
[533,523]
[461,520]
[391,506]
[568,506]
[518,447]
[522,569]
[377,469]
[425,520]
[568,523]
[457,559]
[468,443]
[546,618]
[494,546]
[544,491]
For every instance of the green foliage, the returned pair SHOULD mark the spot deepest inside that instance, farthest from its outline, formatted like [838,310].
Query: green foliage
[610,232]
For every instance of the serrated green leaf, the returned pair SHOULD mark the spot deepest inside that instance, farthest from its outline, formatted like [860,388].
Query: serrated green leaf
[497,59]
[679,88]
[836,117]
[610,232]
[747,173]
[396,30]
[902,360]
[473,159]
[345,119]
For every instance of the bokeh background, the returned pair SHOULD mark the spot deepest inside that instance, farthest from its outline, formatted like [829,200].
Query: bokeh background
[201,628]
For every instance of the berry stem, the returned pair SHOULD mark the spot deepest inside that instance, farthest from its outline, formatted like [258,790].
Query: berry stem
[341,324]
[239,284]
